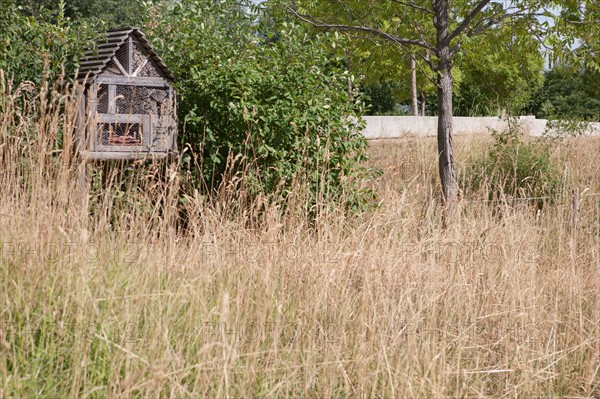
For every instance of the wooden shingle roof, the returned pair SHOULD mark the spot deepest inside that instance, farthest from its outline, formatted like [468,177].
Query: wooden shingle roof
[94,61]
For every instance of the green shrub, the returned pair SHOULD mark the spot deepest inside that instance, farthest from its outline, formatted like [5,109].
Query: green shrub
[381,97]
[46,45]
[514,169]
[268,101]
[568,94]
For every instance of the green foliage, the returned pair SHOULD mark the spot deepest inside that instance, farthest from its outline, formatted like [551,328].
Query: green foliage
[380,97]
[498,66]
[515,169]
[46,44]
[500,72]
[274,105]
[569,94]
[576,35]
[110,13]
[385,65]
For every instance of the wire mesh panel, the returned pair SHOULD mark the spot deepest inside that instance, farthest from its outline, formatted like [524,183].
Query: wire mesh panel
[142,64]
[122,56]
[138,56]
[112,69]
[141,100]
[120,134]
[149,71]
[130,99]
[102,99]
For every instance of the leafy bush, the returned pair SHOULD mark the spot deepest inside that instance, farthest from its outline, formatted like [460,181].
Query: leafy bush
[31,47]
[270,101]
[568,93]
[515,169]
[381,97]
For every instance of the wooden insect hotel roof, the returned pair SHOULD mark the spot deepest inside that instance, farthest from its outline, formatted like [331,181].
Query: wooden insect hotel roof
[95,61]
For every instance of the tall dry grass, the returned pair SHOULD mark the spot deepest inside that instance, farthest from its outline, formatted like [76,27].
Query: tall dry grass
[120,300]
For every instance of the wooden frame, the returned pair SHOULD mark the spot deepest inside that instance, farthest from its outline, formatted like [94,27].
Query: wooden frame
[116,156]
[157,128]
[132,81]
[140,119]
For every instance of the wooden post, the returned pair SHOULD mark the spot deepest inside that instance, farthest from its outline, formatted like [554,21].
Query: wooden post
[83,186]
[575,215]
[574,221]
[413,86]
[80,146]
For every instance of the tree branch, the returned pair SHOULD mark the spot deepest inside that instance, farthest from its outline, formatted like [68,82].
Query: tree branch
[431,66]
[416,7]
[585,22]
[467,21]
[495,19]
[372,31]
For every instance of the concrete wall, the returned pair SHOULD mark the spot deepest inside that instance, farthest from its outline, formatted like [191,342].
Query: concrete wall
[379,127]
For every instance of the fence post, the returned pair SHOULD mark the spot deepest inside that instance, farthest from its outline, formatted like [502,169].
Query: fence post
[575,215]
[83,187]
[575,219]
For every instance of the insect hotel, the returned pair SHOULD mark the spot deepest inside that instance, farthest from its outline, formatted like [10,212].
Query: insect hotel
[128,101]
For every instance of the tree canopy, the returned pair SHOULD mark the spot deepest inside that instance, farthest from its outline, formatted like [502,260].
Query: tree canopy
[437,32]
[500,72]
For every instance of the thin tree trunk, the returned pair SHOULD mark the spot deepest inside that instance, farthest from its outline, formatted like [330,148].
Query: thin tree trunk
[350,88]
[413,86]
[423,103]
[447,168]
[444,137]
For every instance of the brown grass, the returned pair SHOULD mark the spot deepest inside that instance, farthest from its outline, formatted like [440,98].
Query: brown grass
[118,302]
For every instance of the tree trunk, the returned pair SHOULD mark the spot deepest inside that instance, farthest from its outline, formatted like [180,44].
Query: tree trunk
[423,103]
[444,138]
[413,86]
[444,135]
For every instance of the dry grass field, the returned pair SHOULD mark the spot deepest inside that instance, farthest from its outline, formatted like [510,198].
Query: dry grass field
[504,302]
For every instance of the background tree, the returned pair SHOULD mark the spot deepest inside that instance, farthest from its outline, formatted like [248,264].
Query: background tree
[389,77]
[501,72]
[577,34]
[437,31]
[568,93]
[381,63]
[381,97]
[571,89]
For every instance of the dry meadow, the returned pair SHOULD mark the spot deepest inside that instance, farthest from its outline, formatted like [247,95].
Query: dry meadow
[120,301]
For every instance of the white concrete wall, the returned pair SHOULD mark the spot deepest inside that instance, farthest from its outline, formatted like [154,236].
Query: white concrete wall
[379,127]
